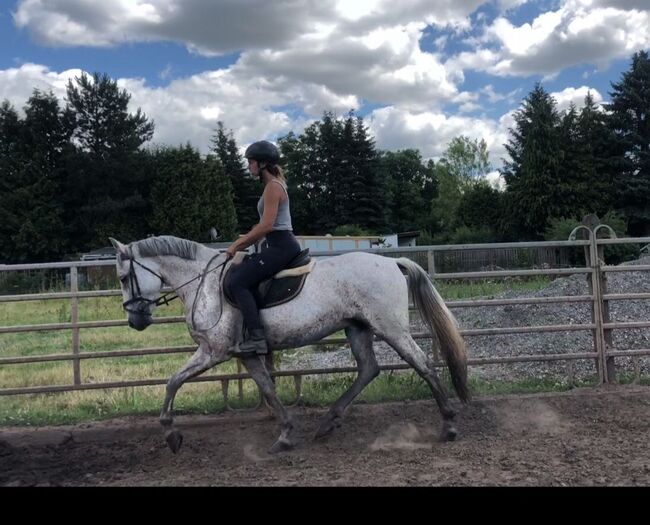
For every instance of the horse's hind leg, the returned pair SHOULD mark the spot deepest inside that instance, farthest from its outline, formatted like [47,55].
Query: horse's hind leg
[360,338]
[409,350]
[261,376]
[200,361]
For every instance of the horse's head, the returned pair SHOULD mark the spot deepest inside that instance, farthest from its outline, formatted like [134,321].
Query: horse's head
[141,285]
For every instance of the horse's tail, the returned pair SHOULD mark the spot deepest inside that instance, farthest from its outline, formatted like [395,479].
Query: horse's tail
[441,323]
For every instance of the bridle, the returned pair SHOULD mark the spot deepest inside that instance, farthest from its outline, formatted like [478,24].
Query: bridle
[136,293]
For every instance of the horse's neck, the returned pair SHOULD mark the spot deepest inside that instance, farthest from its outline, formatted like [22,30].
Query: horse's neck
[177,272]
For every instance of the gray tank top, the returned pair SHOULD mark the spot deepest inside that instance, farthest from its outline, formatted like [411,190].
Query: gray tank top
[283,219]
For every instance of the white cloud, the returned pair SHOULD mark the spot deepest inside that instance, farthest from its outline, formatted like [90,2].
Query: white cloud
[206,26]
[576,95]
[431,132]
[17,84]
[223,26]
[299,58]
[496,180]
[506,5]
[579,32]
[345,51]
[185,110]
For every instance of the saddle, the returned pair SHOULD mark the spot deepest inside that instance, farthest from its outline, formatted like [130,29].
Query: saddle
[279,289]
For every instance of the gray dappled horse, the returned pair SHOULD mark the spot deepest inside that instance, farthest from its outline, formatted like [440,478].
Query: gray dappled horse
[361,293]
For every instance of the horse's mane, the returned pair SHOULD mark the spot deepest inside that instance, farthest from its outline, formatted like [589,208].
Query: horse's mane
[167,245]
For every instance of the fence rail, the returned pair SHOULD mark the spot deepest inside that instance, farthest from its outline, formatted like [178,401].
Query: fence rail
[595,269]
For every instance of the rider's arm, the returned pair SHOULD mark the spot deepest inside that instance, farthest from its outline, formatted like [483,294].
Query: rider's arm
[272,196]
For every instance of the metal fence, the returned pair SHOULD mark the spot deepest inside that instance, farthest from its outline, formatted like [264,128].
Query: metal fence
[595,268]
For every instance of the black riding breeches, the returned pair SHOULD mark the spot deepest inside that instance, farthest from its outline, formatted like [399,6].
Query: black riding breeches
[281,247]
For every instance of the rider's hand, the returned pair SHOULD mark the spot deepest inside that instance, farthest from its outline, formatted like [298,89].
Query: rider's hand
[230,252]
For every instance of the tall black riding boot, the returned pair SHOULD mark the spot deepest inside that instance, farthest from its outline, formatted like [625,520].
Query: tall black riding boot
[256,343]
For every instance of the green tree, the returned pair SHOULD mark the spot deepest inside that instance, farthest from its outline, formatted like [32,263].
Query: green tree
[192,195]
[407,178]
[32,209]
[334,176]
[534,190]
[367,201]
[10,161]
[246,190]
[463,164]
[107,190]
[630,123]
[480,210]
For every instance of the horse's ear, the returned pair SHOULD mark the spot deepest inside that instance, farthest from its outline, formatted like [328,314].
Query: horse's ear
[122,250]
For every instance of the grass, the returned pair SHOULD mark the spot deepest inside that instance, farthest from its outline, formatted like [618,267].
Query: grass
[70,407]
[206,398]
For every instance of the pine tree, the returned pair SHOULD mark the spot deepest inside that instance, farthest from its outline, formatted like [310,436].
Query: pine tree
[533,191]
[107,190]
[305,178]
[192,195]
[596,141]
[370,189]
[246,190]
[32,209]
[10,161]
[629,121]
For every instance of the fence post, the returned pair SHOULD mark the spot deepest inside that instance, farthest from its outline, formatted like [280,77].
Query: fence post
[431,268]
[589,222]
[610,365]
[431,263]
[74,319]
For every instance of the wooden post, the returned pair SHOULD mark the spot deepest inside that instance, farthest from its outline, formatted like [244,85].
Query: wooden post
[74,319]
[431,267]
[607,332]
[240,382]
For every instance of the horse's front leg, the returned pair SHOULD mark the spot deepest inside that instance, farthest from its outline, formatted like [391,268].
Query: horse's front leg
[261,376]
[202,360]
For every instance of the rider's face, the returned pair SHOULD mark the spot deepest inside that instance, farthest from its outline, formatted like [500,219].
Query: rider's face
[253,167]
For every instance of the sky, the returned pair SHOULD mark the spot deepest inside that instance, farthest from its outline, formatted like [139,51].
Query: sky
[419,72]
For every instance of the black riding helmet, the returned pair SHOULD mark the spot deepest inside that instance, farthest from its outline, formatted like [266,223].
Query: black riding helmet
[263,151]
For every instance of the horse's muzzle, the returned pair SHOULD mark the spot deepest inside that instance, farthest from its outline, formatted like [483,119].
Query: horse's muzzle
[140,321]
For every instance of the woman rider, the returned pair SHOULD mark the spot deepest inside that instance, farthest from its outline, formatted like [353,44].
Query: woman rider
[280,248]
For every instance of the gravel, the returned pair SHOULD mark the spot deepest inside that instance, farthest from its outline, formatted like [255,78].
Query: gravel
[510,345]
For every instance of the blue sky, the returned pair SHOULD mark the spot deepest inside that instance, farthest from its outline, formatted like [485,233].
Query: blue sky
[420,72]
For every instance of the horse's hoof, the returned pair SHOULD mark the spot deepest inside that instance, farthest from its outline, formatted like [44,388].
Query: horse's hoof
[327,427]
[280,446]
[174,440]
[448,434]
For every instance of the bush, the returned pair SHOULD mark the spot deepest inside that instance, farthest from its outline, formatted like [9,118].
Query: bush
[353,230]
[559,229]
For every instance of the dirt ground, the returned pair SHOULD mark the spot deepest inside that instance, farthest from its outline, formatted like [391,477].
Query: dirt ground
[585,437]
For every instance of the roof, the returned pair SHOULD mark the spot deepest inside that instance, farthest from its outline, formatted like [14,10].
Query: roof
[409,234]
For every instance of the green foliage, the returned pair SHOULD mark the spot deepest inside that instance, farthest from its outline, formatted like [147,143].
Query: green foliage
[353,230]
[472,235]
[462,166]
[333,174]
[192,195]
[533,175]
[246,190]
[32,217]
[410,186]
[630,126]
